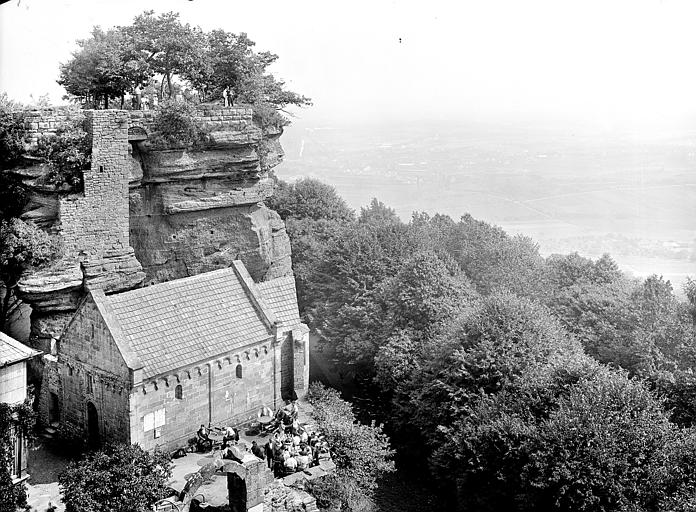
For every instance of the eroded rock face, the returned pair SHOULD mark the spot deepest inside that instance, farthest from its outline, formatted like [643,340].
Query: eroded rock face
[197,209]
[152,212]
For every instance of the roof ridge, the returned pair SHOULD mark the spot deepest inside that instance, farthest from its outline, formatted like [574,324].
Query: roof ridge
[145,290]
[250,287]
[130,357]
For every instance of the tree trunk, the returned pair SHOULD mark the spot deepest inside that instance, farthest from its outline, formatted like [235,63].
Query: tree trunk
[169,84]
[162,89]
[106,102]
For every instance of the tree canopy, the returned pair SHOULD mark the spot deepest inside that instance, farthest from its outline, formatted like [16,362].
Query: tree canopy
[518,382]
[117,61]
[118,478]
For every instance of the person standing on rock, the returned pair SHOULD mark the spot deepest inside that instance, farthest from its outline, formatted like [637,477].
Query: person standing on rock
[225,96]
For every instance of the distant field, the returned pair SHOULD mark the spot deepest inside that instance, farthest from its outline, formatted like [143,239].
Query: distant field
[559,186]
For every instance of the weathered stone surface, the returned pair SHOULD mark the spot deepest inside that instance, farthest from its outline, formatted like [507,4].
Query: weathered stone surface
[172,165]
[114,271]
[46,327]
[43,210]
[189,243]
[54,289]
[271,151]
[190,210]
[206,194]
[280,498]
[199,209]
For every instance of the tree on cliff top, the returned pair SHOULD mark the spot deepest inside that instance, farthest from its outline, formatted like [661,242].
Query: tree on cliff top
[111,63]
[106,66]
[168,46]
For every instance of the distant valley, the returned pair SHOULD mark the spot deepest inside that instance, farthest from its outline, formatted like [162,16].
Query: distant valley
[570,189]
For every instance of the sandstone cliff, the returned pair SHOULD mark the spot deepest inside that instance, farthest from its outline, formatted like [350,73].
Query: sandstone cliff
[151,211]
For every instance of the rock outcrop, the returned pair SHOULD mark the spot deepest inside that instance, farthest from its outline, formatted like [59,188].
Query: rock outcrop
[197,209]
[152,211]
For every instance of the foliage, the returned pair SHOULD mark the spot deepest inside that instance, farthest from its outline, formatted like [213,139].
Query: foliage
[117,61]
[118,478]
[68,154]
[22,246]
[229,62]
[309,198]
[338,492]
[106,66]
[12,135]
[601,449]
[14,419]
[169,47]
[493,260]
[13,196]
[501,341]
[361,452]
[174,124]
[480,350]
[69,441]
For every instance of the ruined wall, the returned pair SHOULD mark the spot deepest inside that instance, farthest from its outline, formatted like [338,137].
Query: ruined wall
[280,498]
[45,122]
[91,226]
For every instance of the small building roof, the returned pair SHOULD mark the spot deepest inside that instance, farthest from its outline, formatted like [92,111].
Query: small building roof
[12,351]
[166,326]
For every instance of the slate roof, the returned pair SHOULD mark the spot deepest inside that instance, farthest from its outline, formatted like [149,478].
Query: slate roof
[165,326]
[281,297]
[12,351]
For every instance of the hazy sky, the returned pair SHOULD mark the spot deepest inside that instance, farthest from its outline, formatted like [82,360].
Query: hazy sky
[603,60]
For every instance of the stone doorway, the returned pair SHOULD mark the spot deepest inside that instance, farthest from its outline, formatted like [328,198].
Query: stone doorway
[93,436]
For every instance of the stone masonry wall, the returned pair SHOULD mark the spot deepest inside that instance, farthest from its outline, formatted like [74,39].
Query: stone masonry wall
[232,400]
[92,370]
[227,125]
[45,122]
[97,221]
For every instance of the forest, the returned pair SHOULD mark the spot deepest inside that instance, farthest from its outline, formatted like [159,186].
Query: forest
[509,380]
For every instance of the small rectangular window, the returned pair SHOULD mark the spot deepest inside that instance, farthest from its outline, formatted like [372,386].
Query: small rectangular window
[90,383]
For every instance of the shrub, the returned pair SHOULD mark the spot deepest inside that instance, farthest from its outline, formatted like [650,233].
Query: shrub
[69,441]
[118,478]
[175,125]
[68,154]
[361,452]
[336,492]
[12,136]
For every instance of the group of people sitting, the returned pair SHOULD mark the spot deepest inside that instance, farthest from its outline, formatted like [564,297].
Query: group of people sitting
[204,443]
[293,449]
[290,448]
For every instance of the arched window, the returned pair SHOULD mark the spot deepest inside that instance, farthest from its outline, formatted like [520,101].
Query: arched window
[239,371]
[178,392]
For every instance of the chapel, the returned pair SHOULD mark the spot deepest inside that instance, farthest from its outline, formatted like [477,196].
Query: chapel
[150,365]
